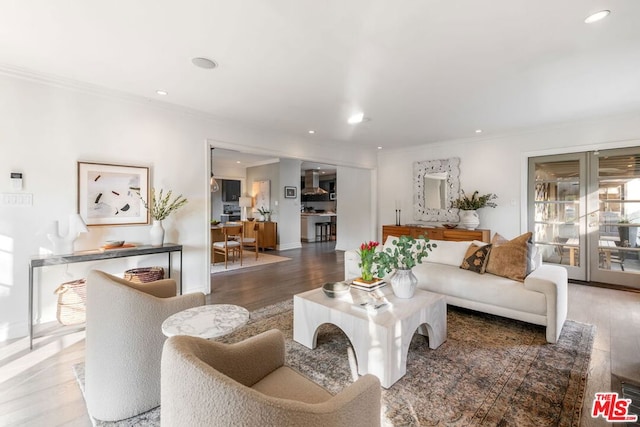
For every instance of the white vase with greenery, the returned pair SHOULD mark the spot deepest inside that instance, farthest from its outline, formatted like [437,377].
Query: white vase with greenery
[469,219]
[156,233]
[160,208]
[405,254]
[468,205]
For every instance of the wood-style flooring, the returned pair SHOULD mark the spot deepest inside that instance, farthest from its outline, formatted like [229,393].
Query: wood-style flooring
[37,388]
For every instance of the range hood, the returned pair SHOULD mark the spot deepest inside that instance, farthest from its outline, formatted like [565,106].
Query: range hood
[312,183]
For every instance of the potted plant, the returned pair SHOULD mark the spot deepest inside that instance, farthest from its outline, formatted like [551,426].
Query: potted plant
[367,254]
[160,208]
[468,205]
[405,254]
[266,213]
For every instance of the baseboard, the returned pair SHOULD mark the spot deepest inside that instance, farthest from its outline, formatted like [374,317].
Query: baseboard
[604,285]
[289,246]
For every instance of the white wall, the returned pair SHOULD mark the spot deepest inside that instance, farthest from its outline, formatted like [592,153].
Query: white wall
[289,209]
[355,205]
[45,130]
[496,165]
[271,173]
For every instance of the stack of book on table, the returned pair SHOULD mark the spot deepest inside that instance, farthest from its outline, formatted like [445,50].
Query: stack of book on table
[367,285]
[373,302]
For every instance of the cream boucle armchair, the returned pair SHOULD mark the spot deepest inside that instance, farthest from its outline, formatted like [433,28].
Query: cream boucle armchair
[207,383]
[124,342]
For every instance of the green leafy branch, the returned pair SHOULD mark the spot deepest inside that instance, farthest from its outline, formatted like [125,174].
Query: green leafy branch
[162,206]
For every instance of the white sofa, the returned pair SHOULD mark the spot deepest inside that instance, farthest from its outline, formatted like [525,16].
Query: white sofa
[541,299]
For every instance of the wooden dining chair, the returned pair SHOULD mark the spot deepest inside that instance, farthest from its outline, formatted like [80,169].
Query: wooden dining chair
[253,239]
[232,243]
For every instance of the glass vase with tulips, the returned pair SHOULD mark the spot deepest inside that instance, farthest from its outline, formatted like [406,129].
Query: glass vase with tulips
[367,258]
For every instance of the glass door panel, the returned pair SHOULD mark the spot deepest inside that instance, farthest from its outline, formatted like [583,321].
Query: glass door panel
[556,198]
[616,207]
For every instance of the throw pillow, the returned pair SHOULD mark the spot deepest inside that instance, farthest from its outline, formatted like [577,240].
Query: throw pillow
[510,258]
[447,252]
[476,258]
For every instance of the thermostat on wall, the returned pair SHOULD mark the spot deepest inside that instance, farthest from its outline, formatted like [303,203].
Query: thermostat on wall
[16,181]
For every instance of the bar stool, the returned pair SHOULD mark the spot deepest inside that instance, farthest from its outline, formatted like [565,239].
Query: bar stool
[332,228]
[322,230]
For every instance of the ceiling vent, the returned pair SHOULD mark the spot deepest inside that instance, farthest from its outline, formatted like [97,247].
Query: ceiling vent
[312,183]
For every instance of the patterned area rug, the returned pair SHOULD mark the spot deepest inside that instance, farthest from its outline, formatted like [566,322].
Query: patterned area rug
[248,260]
[491,371]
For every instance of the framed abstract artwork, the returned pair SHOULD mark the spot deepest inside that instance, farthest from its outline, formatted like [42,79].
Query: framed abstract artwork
[112,194]
[262,194]
[290,192]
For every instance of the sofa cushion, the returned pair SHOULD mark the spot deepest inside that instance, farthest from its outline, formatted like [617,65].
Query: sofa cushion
[482,288]
[476,258]
[510,258]
[389,242]
[448,252]
[532,252]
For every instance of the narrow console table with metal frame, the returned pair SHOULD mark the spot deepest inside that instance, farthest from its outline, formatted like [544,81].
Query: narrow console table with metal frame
[97,255]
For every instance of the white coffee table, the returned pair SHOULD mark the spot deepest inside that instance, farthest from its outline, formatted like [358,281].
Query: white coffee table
[380,341]
[206,321]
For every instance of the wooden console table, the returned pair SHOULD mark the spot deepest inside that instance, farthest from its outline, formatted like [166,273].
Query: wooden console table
[267,230]
[97,255]
[453,234]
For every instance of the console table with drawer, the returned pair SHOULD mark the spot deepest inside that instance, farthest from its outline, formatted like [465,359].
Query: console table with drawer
[453,234]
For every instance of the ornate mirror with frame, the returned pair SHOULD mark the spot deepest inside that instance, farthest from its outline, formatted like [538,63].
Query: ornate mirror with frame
[436,184]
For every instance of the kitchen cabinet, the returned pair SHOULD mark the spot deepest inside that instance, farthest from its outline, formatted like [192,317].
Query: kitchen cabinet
[453,234]
[267,233]
[230,190]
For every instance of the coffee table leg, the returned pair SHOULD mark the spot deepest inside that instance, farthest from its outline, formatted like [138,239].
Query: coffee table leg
[304,328]
[435,324]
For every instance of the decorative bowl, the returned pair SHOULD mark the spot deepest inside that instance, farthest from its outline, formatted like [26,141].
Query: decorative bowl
[335,289]
[449,225]
[113,243]
[250,219]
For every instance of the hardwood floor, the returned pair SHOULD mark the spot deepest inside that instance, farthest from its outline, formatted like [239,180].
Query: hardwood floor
[37,388]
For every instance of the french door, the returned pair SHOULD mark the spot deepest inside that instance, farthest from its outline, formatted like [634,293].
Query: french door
[557,210]
[614,220]
[584,211]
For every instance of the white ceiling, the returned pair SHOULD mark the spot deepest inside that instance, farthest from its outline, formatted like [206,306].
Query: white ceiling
[421,70]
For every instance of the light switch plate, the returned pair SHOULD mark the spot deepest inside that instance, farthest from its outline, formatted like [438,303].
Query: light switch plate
[16,199]
[16,181]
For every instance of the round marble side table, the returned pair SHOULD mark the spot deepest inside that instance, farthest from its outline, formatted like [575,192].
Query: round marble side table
[206,321]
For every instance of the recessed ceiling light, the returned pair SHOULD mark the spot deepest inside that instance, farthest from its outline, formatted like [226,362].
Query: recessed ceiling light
[204,63]
[478,130]
[597,16]
[312,132]
[379,148]
[356,118]
[238,161]
[162,92]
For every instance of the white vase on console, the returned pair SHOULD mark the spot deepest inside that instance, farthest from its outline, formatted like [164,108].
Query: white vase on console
[469,219]
[157,233]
